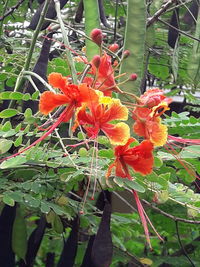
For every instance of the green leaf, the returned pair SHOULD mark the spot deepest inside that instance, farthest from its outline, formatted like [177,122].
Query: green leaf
[175,60]
[106,153]
[16,195]
[35,95]
[5,145]
[16,96]
[80,136]
[134,185]
[190,152]
[18,141]
[28,113]
[57,224]
[26,97]
[7,113]
[6,127]
[194,61]
[83,152]
[8,200]
[5,95]
[13,162]
[44,207]
[165,176]
[3,76]
[158,162]
[119,181]
[103,140]
[18,127]
[19,235]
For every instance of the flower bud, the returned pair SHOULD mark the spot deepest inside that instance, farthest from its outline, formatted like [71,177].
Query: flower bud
[97,36]
[96,61]
[133,77]
[126,53]
[113,47]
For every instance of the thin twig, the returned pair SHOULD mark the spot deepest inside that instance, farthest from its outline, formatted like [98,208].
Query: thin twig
[182,32]
[11,10]
[181,245]
[40,79]
[85,72]
[172,217]
[124,200]
[136,261]
[179,5]
[162,10]
[4,10]
[19,86]
[64,148]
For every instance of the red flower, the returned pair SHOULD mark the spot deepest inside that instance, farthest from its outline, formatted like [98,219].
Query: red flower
[139,158]
[104,76]
[148,123]
[73,95]
[153,97]
[98,117]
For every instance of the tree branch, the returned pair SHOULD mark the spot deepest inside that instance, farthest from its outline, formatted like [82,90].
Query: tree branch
[181,245]
[11,10]
[182,32]
[159,12]
[172,217]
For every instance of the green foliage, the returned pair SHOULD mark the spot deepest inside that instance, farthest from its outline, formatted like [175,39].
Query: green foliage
[47,181]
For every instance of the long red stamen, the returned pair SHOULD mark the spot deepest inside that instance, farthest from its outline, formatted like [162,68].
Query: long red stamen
[142,217]
[184,140]
[175,154]
[66,113]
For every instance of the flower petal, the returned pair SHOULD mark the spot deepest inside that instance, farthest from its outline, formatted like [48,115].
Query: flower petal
[158,133]
[118,133]
[154,97]
[83,117]
[87,94]
[116,111]
[139,128]
[49,101]
[105,76]
[142,158]
[57,80]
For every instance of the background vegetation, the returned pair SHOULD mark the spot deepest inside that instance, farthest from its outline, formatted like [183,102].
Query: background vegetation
[41,191]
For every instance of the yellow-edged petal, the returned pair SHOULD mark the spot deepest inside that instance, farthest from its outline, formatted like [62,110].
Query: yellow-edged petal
[118,134]
[158,135]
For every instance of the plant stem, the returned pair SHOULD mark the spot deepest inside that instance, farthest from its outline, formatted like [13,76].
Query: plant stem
[4,10]
[66,42]
[19,87]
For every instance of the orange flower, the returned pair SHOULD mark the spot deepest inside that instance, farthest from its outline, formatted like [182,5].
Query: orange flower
[148,123]
[104,75]
[98,117]
[153,97]
[139,158]
[73,95]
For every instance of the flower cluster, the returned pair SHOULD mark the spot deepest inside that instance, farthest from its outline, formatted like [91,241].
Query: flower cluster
[95,110]
[147,116]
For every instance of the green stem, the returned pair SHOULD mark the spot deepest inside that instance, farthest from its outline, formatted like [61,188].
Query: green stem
[4,10]
[66,42]
[20,81]
[33,42]
[39,78]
